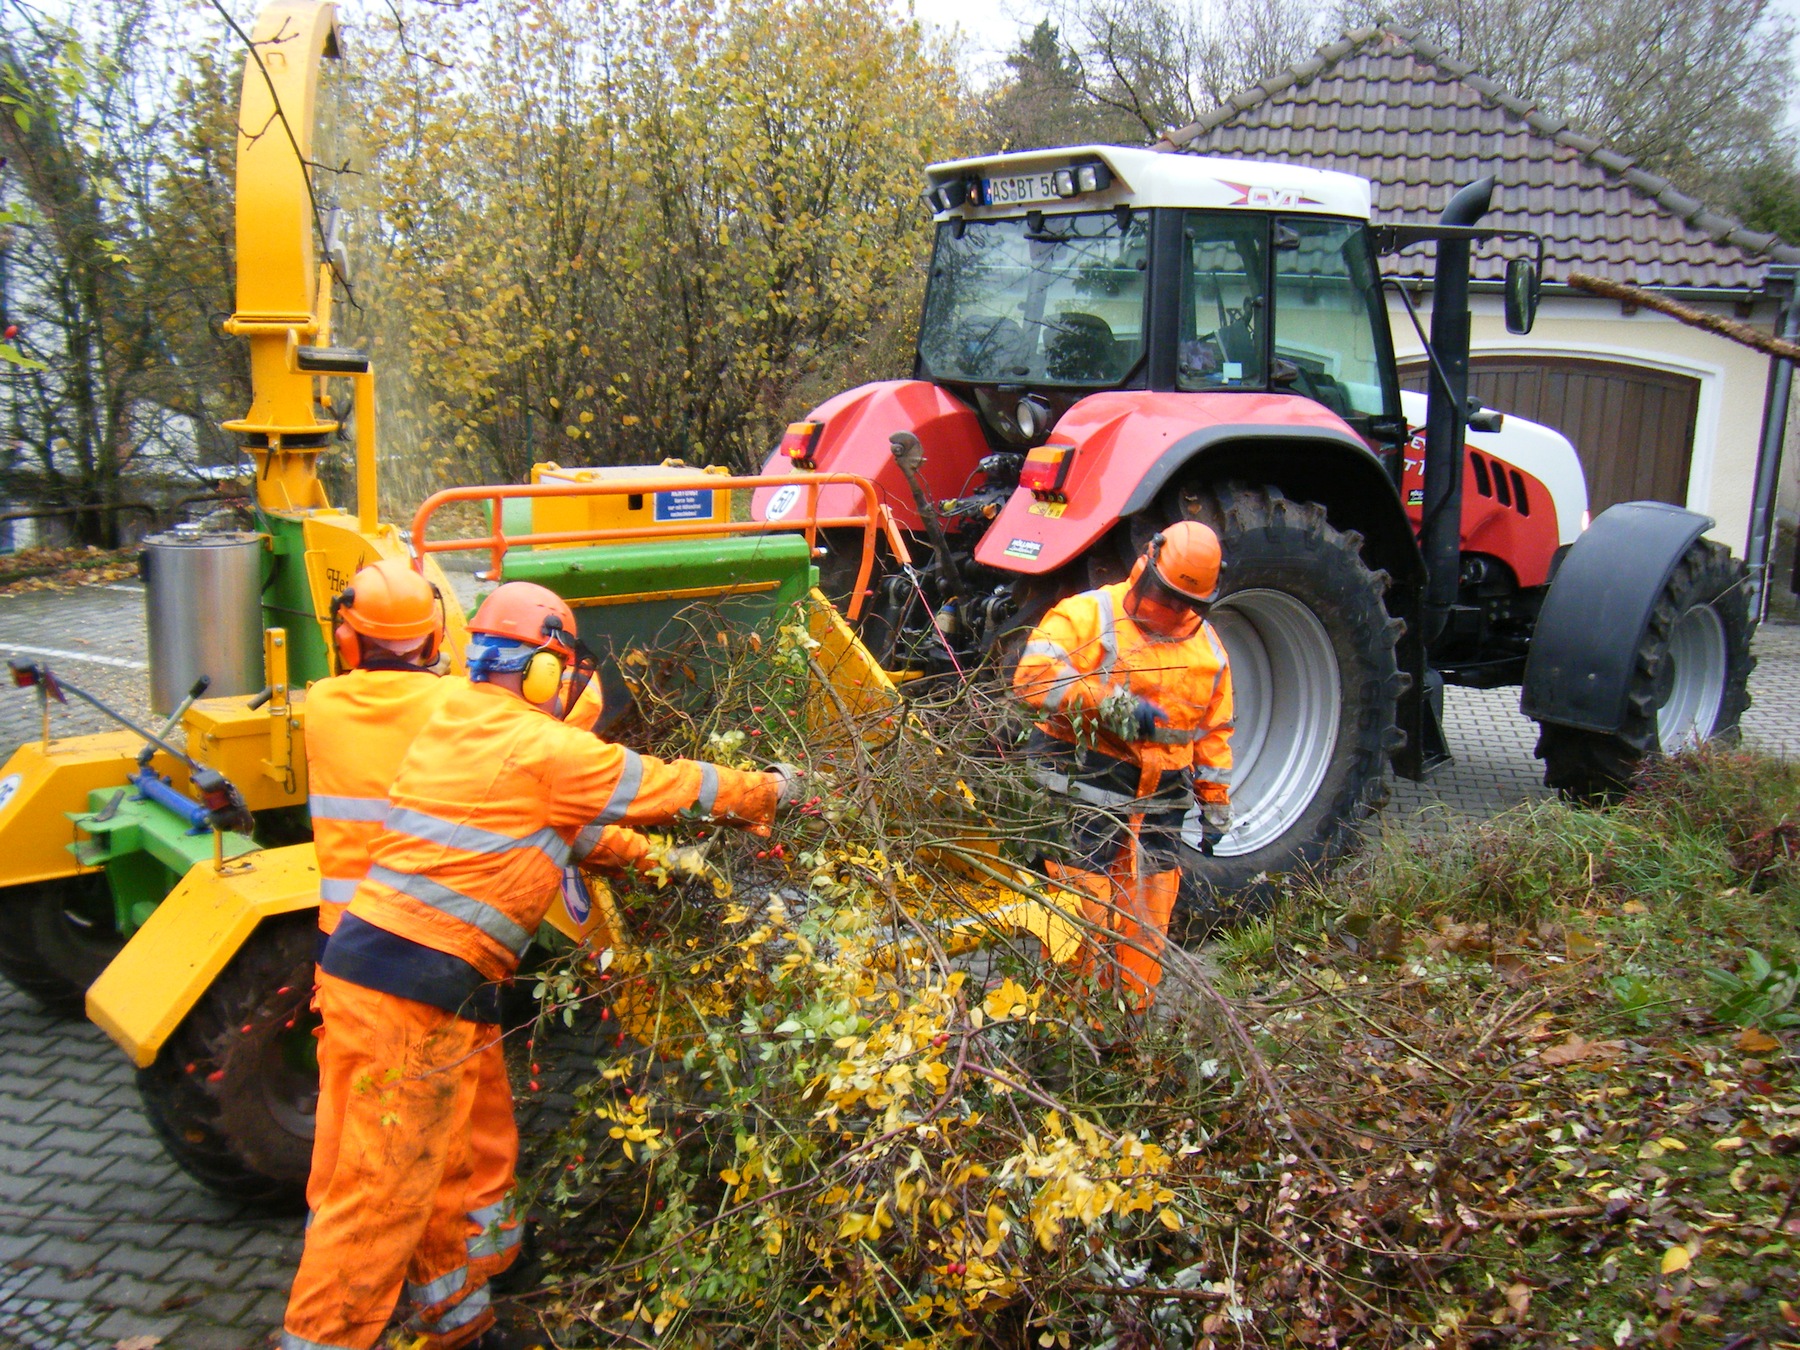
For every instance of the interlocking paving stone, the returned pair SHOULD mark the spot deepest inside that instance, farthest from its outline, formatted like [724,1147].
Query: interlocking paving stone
[90,1207]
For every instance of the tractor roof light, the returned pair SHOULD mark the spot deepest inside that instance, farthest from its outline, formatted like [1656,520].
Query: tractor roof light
[1046,470]
[799,443]
[1095,177]
[948,196]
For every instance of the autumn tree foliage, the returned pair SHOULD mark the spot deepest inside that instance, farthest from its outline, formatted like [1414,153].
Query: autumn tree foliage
[616,234]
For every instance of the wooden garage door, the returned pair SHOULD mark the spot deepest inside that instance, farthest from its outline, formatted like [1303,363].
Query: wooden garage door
[1634,428]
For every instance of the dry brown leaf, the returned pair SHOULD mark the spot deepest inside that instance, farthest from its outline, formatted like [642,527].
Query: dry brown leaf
[1576,1049]
[1756,1041]
[1579,946]
[138,1343]
[1518,1298]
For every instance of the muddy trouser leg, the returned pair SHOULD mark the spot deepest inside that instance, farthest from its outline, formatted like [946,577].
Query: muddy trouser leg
[392,1213]
[493,1164]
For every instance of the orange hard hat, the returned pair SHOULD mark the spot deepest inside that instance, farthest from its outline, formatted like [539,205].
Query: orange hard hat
[390,602]
[1185,557]
[524,612]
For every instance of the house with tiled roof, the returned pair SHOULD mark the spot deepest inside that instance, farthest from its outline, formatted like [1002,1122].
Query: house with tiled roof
[1656,408]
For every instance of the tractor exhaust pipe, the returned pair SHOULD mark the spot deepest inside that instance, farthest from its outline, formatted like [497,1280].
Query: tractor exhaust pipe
[1440,531]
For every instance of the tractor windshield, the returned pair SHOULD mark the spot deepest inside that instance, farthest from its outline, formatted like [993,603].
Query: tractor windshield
[1040,301]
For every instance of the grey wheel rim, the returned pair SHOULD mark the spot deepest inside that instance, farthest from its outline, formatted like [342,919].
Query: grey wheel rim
[1697,689]
[1285,680]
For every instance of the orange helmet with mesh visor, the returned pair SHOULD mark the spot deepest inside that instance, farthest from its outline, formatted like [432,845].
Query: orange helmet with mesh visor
[1186,557]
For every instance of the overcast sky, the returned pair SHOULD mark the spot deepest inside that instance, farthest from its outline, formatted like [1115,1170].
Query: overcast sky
[991,28]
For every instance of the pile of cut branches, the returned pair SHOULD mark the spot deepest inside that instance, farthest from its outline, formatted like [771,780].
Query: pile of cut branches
[1521,1080]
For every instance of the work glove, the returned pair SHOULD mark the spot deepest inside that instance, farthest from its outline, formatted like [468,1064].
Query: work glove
[1129,716]
[793,783]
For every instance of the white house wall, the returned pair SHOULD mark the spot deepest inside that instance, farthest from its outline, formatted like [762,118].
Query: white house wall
[1733,380]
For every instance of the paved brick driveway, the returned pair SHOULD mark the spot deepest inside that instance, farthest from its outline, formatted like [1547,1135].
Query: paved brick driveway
[101,1238]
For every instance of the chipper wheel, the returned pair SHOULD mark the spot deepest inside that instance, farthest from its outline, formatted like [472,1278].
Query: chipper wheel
[60,939]
[235,1089]
[1312,650]
[1688,683]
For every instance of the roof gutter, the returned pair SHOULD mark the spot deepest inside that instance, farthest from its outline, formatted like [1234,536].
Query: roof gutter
[1763,492]
[1718,295]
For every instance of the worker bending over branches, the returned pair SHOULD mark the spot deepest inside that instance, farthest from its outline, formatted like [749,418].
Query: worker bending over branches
[495,796]
[1135,695]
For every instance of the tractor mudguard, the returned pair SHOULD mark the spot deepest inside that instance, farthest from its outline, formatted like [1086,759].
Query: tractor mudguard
[1130,444]
[1585,646]
[858,423]
[192,935]
[41,787]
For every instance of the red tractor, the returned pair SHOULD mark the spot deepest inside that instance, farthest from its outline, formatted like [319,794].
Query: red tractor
[1116,338]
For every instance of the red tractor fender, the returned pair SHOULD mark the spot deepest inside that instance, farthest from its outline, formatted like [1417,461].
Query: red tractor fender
[1129,444]
[858,423]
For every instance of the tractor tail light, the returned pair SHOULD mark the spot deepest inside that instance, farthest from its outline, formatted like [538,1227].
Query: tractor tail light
[1047,469]
[24,674]
[800,441]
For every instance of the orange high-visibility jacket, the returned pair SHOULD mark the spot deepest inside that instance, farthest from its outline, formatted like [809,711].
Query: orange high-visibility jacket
[490,803]
[1087,647]
[359,726]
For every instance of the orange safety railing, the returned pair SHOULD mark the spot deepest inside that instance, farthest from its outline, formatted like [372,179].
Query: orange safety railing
[875,516]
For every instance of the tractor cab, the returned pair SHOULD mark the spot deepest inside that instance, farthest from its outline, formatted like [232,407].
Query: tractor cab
[1058,274]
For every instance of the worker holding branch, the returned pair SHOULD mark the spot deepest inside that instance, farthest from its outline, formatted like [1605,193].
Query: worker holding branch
[496,795]
[1134,695]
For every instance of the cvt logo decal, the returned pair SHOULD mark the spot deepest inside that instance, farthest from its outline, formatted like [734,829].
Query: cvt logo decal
[1269,198]
[9,787]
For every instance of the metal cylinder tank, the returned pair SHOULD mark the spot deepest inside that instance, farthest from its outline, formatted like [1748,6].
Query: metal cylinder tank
[204,599]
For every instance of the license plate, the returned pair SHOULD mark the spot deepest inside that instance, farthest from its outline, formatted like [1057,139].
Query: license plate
[1024,190]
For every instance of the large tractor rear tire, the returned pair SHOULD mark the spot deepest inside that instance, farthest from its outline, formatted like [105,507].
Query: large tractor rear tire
[1689,683]
[62,936]
[1312,650]
[234,1091]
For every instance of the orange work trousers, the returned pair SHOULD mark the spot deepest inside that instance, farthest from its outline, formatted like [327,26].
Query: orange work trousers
[1136,908]
[398,1080]
[493,1160]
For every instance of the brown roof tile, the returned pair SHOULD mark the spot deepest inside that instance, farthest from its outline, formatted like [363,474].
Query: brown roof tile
[1386,104]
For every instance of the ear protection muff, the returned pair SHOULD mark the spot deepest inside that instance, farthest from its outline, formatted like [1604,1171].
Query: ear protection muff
[542,677]
[348,640]
[429,655]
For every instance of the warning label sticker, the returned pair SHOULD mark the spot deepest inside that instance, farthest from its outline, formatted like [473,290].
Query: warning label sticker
[685,504]
[1024,548]
[1052,509]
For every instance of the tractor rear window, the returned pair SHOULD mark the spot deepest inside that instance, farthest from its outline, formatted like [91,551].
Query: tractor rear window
[1041,300]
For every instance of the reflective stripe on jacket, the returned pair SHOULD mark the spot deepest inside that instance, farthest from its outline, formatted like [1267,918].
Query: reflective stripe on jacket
[359,726]
[495,797]
[1088,647]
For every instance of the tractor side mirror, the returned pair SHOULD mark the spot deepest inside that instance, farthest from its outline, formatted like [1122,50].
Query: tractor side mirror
[1522,289]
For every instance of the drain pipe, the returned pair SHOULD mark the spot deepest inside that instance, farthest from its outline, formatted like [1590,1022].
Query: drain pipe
[1440,529]
[1760,545]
